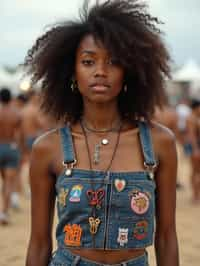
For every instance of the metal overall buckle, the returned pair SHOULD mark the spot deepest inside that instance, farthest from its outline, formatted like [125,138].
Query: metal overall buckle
[69,167]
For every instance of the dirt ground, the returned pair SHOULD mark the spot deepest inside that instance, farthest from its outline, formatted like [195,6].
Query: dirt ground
[14,238]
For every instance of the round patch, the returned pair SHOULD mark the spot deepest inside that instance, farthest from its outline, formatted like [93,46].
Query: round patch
[140,202]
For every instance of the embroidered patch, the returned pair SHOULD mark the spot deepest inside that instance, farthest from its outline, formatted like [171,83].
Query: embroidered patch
[141,229]
[120,184]
[62,197]
[122,236]
[73,235]
[94,224]
[75,193]
[95,197]
[139,201]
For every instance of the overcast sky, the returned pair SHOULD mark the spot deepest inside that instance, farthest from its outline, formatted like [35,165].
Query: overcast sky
[22,21]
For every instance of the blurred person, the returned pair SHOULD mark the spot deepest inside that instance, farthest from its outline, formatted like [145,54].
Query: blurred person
[106,166]
[193,147]
[183,110]
[32,126]
[168,117]
[20,100]
[32,121]
[10,122]
[18,183]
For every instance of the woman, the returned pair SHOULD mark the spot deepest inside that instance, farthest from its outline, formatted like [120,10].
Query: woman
[103,76]
[193,148]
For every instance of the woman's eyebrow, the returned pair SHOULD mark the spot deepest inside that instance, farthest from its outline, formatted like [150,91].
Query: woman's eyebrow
[88,52]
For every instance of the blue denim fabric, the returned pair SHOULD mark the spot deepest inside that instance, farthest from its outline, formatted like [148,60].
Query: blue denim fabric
[188,149]
[66,258]
[9,155]
[115,212]
[30,141]
[122,225]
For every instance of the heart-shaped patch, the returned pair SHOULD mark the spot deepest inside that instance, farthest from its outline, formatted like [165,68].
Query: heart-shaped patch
[120,184]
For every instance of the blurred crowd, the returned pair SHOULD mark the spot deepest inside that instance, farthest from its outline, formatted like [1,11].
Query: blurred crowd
[22,121]
[184,122]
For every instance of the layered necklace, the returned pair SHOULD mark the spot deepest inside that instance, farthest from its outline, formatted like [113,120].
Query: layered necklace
[103,142]
[96,196]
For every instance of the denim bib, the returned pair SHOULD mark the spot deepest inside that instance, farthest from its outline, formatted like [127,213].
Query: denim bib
[124,216]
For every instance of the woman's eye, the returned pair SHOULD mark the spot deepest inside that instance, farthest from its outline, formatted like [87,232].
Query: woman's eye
[87,62]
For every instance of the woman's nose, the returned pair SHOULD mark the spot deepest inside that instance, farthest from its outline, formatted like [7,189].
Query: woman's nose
[101,70]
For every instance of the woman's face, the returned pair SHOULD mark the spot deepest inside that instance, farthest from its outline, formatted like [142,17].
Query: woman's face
[99,77]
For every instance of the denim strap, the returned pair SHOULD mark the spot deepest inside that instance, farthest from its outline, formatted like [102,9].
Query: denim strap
[146,143]
[67,144]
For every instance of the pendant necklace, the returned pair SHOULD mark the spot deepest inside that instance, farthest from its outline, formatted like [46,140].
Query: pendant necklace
[97,148]
[96,196]
[103,142]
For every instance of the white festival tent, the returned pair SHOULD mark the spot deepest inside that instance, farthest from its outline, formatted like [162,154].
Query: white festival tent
[8,80]
[189,72]
[13,81]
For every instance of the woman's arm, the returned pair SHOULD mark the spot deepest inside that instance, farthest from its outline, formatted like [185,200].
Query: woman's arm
[166,245]
[42,205]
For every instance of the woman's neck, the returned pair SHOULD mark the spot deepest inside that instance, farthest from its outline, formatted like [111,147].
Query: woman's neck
[101,116]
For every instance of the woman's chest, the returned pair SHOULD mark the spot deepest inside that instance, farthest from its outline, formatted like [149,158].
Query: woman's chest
[127,155]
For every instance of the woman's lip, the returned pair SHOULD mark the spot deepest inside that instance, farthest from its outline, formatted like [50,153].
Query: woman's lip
[99,88]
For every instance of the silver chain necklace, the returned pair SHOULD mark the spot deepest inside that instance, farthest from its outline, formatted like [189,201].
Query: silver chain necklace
[88,150]
[103,142]
[104,130]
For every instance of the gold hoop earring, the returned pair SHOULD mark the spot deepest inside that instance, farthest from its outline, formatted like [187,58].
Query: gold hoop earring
[73,85]
[125,88]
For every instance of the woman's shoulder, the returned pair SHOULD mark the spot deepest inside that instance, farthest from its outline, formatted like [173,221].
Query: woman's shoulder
[46,142]
[162,133]
[164,140]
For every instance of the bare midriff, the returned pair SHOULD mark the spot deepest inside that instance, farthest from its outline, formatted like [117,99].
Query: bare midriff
[108,256]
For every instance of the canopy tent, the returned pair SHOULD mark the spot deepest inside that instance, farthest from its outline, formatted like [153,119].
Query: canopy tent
[188,73]
[14,81]
[195,89]
[8,80]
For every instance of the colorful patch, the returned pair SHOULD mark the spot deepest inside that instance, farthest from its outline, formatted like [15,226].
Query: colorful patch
[120,184]
[73,235]
[95,197]
[122,236]
[141,230]
[62,197]
[75,193]
[94,224]
[139,201]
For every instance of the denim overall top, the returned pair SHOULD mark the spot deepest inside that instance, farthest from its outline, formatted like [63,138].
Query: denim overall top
[127,208]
